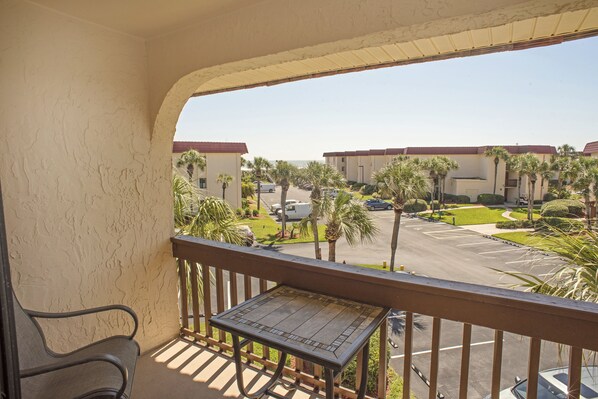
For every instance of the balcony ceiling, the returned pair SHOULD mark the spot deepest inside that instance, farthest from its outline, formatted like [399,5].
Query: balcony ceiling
[531,32]
[145,18]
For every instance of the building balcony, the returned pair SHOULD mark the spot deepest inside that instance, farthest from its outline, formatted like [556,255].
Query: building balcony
[199,363]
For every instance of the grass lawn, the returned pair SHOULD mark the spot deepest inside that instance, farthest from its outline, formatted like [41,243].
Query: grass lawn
[266,229]
[521,213]
[532,239]
[464,217]
[377,267]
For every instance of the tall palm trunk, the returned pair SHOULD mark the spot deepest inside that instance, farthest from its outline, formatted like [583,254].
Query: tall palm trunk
[223,191]
[283,200]
[443,190]
[586,198]
[190,172]
[542,190]
[395,236]
[496,161]
[518,189]
[259,193]
[332,250]
[315,212]
[531,185]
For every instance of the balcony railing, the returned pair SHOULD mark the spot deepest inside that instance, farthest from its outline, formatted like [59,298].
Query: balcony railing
[541,318]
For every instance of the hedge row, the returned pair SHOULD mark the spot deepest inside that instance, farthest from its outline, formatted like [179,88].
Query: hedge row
[563,208]
[415,205]
[491,199]
[543,224]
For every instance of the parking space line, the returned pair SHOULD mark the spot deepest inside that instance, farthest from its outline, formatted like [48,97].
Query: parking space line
[503,250]
[531,260]
[448,348]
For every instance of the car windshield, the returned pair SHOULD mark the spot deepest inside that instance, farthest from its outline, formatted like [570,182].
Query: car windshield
[545,390]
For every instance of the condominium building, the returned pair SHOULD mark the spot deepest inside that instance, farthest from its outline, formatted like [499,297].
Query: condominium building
[221,157]
[591,149]
[474,176]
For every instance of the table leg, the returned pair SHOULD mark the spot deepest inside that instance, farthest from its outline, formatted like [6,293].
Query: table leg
[364,371]
[239,370]
[329,375]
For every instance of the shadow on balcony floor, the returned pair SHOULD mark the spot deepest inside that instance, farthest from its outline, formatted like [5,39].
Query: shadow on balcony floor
[184,369]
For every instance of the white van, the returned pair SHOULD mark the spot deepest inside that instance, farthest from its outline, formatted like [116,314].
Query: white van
[265,187]
[295,211]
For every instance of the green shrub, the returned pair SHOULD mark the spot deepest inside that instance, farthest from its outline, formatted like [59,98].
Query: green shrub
[434,205]
[563,224]
[463,199]
[255,213]
[350,183]
[456,199]
[550,197]
[244,203]
[491,199]
[574,208]
[247,212]
[357,186]
[415,205]
[368,189]
[515,224]
[247,189]
[239,212]
[555,210]
[349,373]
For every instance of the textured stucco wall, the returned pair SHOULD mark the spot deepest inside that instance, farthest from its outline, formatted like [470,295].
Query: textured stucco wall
[86,191]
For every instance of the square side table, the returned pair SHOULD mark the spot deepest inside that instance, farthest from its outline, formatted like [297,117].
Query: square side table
[322,329]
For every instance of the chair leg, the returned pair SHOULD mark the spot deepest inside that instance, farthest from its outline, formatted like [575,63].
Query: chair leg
[239,369]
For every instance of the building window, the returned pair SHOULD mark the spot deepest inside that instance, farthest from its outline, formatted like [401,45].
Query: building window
[203,183]
[342,169]
[343,159]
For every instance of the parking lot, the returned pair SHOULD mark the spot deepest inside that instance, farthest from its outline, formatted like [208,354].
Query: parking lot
[453,253]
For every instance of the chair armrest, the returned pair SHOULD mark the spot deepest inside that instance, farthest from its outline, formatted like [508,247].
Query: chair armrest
[26,373]
[44,315]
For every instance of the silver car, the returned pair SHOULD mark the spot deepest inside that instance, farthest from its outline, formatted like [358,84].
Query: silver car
[552,384]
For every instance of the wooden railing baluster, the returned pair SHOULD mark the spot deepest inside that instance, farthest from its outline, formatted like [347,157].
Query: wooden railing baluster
[207,298]
[298,369]
[465,354]
[264,288]
[183,293]
[533,368]
[408,354]
[234,295]
[435,358]
[248,295]
[382,360]
[575,359]
[496,364]
[220,299]
[195,296]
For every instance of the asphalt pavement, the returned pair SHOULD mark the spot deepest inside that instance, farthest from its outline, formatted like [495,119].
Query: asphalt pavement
[452,253]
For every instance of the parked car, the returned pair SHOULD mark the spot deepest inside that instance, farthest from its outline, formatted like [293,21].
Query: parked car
[276,207]
[552,384]
[376,203]
[248,234]
[295,211]
[265,187]
[331,192]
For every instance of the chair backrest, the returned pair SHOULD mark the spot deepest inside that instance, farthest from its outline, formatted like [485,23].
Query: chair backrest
[9,361]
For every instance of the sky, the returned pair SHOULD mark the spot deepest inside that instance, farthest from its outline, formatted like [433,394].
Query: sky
[546,95]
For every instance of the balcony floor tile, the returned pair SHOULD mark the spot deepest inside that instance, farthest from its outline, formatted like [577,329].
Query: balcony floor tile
[183,369]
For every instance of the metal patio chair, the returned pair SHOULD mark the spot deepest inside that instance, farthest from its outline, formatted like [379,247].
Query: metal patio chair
[103,369]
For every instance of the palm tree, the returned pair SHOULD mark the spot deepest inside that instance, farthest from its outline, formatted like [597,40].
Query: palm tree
[319,176]
[433,166]
[529,165]
[260,167]
[344,217]
[225,179]
[561,163]
[403,180]
[191,159]
[545,172]
[207,217]
[446,165]
[514,165]
[567,151]
[584,172]
[578,278]
[498,153]
[283,174]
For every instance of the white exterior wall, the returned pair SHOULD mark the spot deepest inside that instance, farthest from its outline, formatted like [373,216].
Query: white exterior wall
[86,191]
[351,167]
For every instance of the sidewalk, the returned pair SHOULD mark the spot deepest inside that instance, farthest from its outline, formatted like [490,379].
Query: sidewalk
[490,229]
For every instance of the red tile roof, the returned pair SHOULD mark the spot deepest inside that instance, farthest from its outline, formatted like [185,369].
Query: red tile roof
[209,147]
[590,148]
[512,149]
